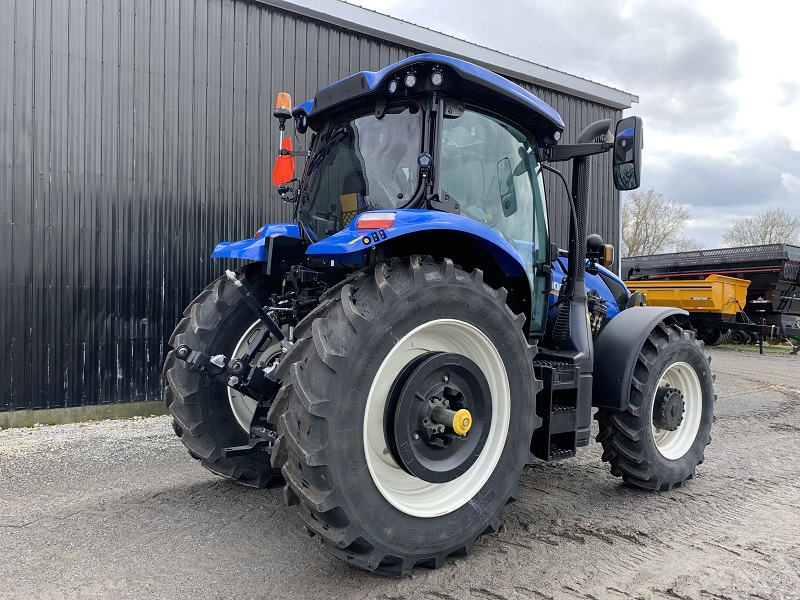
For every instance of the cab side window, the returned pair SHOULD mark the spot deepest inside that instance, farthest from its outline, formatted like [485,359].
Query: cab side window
[490,168]
[485,165]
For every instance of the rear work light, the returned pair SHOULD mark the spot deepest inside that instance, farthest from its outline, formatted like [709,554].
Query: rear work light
[375,220]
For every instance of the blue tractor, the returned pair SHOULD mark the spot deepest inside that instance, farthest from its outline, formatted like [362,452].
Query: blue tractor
[402,349]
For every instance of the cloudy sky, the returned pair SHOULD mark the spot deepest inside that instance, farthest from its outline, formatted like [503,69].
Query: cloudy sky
[718,83]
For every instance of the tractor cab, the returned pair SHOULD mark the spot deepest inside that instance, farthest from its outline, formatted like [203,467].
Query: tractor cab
[429,134]
[412,137]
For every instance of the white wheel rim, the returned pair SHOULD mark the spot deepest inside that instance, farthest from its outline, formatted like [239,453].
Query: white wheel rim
[675,444]
[402,490]
[243,407]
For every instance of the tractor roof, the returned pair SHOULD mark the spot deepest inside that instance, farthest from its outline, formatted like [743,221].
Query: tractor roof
[461,80]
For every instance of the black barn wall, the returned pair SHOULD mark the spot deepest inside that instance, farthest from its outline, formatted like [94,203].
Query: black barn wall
[135,135]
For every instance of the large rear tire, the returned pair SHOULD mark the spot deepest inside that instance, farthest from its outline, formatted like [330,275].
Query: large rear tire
[206,415]
[660,439]
[370,479]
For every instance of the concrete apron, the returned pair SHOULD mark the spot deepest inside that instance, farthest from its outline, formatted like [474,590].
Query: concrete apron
[79,414]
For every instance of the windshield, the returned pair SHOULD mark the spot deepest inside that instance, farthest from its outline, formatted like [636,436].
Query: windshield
[362,163]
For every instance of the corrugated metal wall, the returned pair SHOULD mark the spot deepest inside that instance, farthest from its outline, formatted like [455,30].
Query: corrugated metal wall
[135,135]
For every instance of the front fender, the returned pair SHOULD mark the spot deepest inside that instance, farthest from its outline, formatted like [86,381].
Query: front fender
[351,244]
[616,350]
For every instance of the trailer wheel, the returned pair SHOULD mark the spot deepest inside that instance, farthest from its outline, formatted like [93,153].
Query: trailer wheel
[206,415]
[660,439]
[385,480]
[710,335]
[739,337]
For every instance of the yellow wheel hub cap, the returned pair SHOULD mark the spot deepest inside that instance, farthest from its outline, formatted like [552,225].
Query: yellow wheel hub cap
[462,421]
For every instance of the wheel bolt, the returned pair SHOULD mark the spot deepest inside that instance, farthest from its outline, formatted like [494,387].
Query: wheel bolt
[416,437]
[445,377]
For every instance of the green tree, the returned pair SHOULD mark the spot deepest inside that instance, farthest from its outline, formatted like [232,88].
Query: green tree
[653,224]
[773,226]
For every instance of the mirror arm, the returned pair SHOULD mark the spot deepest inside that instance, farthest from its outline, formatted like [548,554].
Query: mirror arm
[594,130]
[570,151]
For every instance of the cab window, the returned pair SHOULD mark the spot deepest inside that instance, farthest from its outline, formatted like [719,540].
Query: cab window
[490,168]
[486,165]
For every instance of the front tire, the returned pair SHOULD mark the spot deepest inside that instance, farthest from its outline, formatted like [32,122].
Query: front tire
[659,440]
[206,415]
[371,482]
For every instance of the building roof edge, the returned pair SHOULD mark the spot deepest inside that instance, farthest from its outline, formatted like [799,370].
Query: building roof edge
[370,22]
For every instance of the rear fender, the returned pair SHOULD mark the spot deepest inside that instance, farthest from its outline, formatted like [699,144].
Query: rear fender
[351,244]
[616,350]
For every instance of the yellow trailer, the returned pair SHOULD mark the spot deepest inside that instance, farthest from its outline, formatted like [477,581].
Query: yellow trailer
[715,294]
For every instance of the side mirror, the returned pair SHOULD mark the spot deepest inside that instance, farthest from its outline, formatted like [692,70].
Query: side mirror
[628,144]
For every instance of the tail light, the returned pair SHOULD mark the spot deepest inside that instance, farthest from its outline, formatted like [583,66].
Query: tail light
[375,220]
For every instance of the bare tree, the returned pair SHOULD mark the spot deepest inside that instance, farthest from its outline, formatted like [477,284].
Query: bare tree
[686,244]
[773,226]
[652,224]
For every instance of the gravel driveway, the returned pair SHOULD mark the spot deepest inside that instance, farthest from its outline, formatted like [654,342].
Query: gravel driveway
[117,509]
